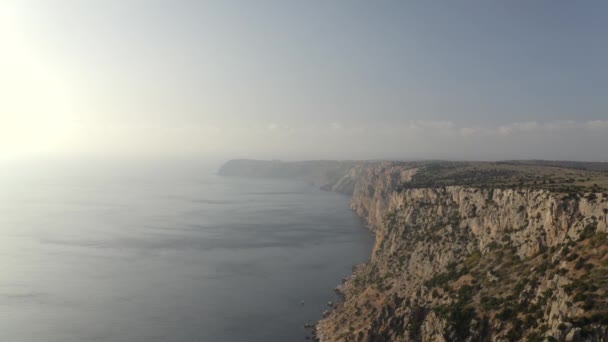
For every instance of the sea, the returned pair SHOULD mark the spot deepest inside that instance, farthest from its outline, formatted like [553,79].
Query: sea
[134,252]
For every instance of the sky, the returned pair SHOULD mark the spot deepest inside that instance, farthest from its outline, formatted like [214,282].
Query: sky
[149,79]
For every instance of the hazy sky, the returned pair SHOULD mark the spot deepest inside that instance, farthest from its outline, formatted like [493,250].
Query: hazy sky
[304,79]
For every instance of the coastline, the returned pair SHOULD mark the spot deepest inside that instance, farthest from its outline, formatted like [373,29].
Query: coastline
[469,250]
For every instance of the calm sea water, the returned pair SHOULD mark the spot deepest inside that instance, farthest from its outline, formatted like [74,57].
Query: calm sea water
[106,253]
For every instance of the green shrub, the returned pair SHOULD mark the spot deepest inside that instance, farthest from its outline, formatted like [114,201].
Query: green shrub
[506,314]
[579,264]
[588,304]
[572,257]
[589,231]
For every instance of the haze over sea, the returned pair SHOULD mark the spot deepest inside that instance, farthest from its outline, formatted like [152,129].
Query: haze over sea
[100,252]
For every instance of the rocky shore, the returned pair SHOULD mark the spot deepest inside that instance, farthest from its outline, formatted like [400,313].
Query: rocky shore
[493,253]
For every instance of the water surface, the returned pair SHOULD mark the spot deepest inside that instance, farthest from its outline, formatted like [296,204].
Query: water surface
[104,253]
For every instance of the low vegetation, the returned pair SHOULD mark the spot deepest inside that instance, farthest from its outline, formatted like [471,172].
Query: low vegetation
[503,175]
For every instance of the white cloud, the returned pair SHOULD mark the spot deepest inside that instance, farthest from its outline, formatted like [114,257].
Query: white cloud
[276,126]
[597,125]
[576,140]
[470,131]
[336,125]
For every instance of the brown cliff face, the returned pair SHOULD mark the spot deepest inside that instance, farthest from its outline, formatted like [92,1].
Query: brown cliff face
[468,251]
[467,263]
[375,192]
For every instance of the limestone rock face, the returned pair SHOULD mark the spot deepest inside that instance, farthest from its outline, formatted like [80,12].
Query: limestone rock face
[498,254]
[374,191]
[470,264]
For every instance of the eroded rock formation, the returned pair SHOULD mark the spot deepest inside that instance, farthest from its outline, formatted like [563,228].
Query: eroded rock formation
[496,257]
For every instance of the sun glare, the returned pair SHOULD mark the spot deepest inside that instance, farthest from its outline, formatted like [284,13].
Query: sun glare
[35,113]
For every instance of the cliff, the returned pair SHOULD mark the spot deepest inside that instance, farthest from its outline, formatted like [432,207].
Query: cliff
[477,252]
[479,264]
[336,176]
